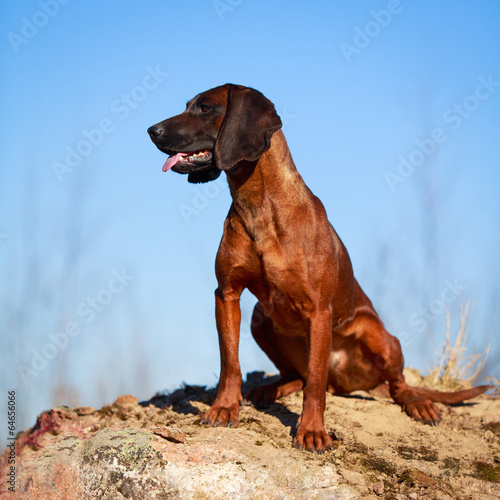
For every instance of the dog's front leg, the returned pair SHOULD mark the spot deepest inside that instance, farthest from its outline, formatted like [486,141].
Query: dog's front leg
[311,433]
[224,411]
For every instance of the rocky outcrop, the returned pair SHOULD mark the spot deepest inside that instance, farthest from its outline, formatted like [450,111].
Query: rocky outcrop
[157,450]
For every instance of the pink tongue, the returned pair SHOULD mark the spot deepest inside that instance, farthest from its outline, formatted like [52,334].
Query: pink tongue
[172,160]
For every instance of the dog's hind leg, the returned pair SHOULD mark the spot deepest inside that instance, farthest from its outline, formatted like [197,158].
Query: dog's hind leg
[384,352]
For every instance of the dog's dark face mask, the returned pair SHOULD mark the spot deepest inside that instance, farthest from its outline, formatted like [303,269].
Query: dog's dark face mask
[218,129]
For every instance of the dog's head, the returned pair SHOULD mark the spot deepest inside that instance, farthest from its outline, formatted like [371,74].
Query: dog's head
[218,129]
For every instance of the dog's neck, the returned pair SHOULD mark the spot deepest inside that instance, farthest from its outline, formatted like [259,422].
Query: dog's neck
[254,185]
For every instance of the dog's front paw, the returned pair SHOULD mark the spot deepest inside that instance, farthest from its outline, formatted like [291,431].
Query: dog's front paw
[312,440]
[223,416]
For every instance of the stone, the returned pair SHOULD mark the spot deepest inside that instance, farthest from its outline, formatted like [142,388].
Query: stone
[170,434]
[491,418]
[378,488]
[126,401]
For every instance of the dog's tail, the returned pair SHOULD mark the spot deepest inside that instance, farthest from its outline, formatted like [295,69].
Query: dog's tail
[450,398]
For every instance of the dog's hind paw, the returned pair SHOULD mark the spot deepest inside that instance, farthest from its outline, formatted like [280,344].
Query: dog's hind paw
[265,395]
[423,410]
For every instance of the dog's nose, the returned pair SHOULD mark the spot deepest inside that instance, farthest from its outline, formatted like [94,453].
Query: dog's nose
[155,131]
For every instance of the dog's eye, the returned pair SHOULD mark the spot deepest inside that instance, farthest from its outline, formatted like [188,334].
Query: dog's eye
[205,108]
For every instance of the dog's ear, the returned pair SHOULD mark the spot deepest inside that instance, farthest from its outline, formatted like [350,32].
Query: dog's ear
[204,176]
[247,128]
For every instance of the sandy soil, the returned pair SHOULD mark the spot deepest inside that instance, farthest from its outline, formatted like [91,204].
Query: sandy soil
[379,451]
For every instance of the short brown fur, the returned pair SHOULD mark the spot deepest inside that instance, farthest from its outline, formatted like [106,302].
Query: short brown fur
[312,318]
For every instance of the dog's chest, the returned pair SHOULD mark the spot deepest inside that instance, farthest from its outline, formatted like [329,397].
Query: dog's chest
[279,285]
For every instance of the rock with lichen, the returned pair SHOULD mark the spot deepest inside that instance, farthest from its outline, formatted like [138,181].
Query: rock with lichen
[158,450]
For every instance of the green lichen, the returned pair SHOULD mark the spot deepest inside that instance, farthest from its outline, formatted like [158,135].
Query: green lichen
[359,448]
[106,411]
[407,452]
[415,477]
[422,453]
[379,465]
[452,464]
[130,448]
[486,472]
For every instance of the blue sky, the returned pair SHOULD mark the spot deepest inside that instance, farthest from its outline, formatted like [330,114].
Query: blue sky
[391,110]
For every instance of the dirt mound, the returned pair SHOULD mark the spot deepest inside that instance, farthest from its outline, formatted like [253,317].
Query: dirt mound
[156,449]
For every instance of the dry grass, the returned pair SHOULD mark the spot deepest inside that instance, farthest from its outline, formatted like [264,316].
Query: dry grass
[495,381]
[457,369]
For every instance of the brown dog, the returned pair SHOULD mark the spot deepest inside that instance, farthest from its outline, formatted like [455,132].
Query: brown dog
[312,319]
